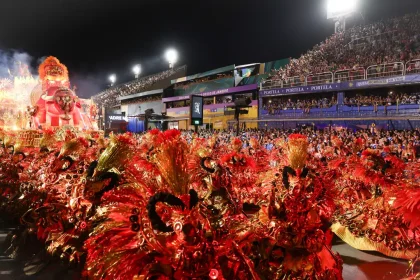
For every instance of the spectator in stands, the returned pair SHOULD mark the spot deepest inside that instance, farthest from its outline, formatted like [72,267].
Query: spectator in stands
[108,98]
[143,99]
[380,43]
[277,104]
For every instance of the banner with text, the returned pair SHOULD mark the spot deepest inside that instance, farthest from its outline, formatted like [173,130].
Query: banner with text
[214,93]
[402,80]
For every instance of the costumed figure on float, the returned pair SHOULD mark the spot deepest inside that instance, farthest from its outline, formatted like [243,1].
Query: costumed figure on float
[57,104]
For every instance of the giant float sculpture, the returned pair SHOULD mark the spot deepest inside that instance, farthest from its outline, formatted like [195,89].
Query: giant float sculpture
[55,103]
[29,104]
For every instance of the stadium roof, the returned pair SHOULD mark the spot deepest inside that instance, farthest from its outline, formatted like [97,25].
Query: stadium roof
[205,74]
[246,65]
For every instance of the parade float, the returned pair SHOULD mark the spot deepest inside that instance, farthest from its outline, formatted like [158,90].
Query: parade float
[29,104]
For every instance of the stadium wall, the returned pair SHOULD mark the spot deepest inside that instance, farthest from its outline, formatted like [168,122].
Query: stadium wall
[214,115]
[390,117]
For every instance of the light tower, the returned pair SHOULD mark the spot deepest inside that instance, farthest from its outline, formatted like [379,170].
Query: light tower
[136,70]
[171,56]
[112,79]
[340,10]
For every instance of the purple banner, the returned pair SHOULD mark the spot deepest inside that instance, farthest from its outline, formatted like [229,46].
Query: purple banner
[380,82]
[304,89]
[213,93]
[209,107]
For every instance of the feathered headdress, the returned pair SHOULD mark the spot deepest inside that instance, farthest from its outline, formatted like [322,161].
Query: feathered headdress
[118,151]
[74,147]
[254,143]
[52,69]
[170,158]
[298,150]
[48,139]
[9,139]
[236,144]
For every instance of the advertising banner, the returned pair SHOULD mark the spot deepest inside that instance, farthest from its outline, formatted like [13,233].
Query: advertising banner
[401,80]
[196,111]
[303,89]
[214,93]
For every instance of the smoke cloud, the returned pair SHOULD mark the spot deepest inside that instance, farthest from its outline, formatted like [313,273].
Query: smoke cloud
[9,63]
[87,85]
[12,60]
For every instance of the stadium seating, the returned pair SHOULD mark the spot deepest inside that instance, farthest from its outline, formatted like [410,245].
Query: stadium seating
[386,48]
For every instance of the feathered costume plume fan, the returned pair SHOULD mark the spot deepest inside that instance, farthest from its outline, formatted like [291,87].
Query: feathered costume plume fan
[164,230]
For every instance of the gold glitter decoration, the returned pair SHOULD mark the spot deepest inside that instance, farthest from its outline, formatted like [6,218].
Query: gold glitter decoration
[254,143]
[171,160]
[18,147]
[48,140]
[365,244]
[118,150]
[9,140]
[73,148]
[298,150]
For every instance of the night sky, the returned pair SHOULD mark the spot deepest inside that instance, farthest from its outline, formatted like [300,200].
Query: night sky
[97,37]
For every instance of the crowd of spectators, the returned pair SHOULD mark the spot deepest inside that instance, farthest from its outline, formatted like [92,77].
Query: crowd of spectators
[108,98]
[143,99]
[274,106]
[386,41]
[178,104]
[381,100]
[403,144]
[224,99]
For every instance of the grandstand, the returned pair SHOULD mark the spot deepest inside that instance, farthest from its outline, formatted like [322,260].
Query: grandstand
[368,73]
[362,52]
[109,97]
[219,87]
[363,75]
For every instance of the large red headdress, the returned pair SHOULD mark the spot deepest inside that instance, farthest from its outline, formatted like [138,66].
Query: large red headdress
[53,73]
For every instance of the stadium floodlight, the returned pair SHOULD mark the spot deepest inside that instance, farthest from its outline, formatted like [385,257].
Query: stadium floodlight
[136,70]
[341,8]
[113,79]
[172,57]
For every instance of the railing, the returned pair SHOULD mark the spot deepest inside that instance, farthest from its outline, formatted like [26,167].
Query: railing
[385,70]
[350,75]
[374,71]
[320,79]
[296,81]
[361,112]
[412,67]
[272,84]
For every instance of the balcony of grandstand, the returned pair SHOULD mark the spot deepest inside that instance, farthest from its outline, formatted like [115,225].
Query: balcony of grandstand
[109,97]
[389,47]
[274,106]
[362,103]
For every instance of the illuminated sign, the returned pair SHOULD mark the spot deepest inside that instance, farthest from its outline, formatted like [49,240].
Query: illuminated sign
[196,110]
[114,117]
